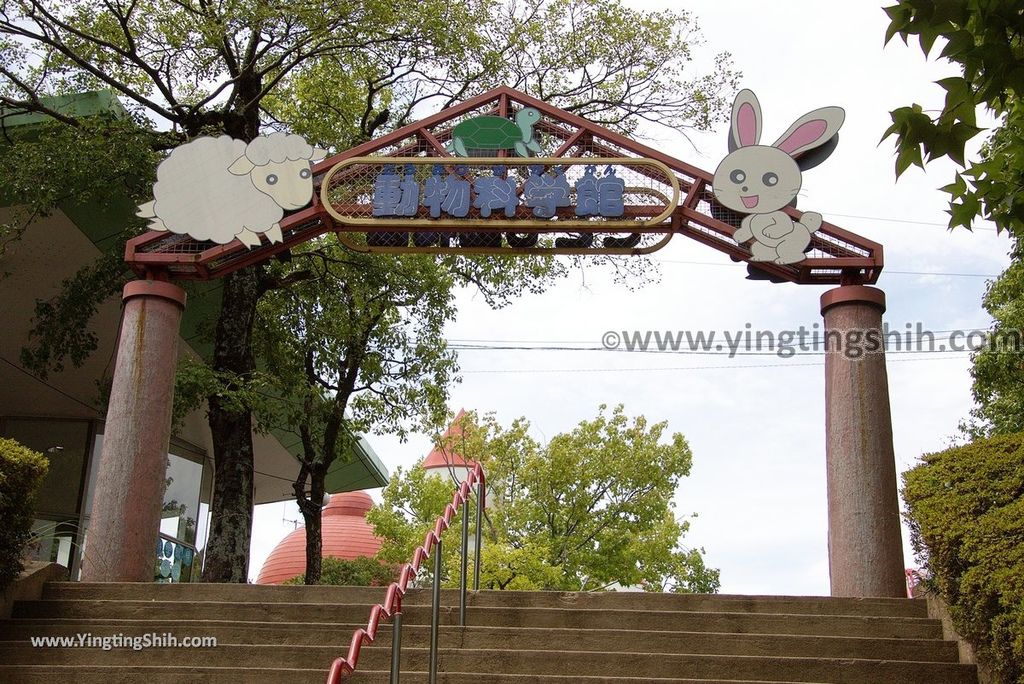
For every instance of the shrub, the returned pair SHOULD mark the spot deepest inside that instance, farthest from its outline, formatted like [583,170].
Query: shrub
[21,474]
[966,515]
[358,572]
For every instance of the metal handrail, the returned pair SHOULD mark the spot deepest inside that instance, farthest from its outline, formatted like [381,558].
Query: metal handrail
[391,608]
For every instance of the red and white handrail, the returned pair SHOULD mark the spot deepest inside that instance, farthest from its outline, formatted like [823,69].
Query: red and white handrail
[393,598]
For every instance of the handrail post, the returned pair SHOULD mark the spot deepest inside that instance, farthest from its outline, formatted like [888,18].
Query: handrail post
[465,561]
[392,606]
[479,534]
[396,643]
[435,610]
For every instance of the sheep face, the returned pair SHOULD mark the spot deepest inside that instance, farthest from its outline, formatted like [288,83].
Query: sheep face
[288,183]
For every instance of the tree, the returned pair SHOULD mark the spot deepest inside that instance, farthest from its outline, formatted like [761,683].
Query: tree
[998,377]
[358,346]
[595,58]
[984,38]
[591,509]
[199,68]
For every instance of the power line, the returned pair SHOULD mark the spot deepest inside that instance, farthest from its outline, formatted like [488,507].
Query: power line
[693,352]
[95,410]
[56,389]
[889,271]
[680,368]
[936,273]
[725,349]
[899,220]
[461,340]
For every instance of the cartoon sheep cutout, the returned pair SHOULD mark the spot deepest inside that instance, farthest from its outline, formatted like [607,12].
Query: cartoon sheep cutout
[220,188]
[759,180]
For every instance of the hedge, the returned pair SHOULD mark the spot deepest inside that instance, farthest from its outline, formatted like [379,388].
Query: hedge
[21,474]
[966,515]
[358,572]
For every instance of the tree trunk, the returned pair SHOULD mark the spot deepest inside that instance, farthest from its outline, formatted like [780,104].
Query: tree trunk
[227,550]
[312,514]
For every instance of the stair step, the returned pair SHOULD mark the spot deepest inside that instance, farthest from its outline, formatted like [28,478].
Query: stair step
[37,674]
[199,592]
[612,640]
[291,634]
[562,663]
[688,621]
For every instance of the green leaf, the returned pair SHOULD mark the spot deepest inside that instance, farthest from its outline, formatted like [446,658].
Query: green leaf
[958,136]
[906,157]
[927,38]
[957,188]
[958,43]
[899,16]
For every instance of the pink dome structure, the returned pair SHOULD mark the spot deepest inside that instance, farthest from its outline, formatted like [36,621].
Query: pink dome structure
[346,534]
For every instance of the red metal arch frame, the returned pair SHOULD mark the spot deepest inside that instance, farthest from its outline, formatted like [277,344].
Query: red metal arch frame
[836,255]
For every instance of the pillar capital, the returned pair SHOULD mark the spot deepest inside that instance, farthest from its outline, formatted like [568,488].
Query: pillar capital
[853,294]
[154,288]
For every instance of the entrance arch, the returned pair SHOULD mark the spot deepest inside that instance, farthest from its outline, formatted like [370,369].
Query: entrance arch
[662,198]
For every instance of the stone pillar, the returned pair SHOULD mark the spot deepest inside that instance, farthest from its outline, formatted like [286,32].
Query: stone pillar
[865,548]
[120,543]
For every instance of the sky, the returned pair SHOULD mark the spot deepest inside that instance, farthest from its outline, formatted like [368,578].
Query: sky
[755,498]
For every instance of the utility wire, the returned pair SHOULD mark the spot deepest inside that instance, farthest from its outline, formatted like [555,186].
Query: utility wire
[94,409]
[722,349]
[899,220]
[678,368]
[695,352]
[461,340]
[53,387]
[889,271]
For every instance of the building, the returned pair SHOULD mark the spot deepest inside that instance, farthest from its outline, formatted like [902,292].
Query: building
[61,415]
[444,459]
[345,534]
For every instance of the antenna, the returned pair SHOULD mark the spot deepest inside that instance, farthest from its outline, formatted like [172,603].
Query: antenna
[295,523]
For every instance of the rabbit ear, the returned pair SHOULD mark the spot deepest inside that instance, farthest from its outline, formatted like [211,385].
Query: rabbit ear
[745,128]
[811,130]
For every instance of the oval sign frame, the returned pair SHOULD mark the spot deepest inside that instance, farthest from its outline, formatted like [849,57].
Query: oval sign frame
[575,225]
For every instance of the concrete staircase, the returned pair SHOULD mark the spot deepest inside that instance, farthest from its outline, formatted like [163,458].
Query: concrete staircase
[291,634]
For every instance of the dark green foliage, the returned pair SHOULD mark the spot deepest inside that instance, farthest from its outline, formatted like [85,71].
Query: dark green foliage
[358,572]
[998,373]
[21,474]
[95,172]
[983,38]
[103,163]
[966,515]
[62,330]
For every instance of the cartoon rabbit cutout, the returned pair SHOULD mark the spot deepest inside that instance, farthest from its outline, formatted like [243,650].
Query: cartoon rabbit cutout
[759,180]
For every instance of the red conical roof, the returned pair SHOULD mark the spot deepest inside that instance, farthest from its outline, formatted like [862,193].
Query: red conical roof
[447,457]
[345,532]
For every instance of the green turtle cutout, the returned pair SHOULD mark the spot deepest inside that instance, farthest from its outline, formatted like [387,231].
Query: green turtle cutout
[496,133]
